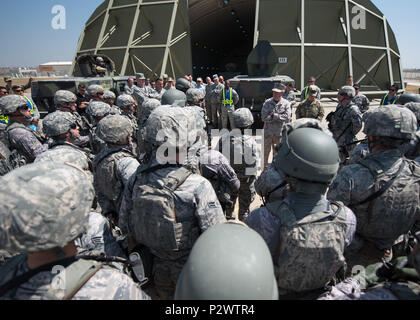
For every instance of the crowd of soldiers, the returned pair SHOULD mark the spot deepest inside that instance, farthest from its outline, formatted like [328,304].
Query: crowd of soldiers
[125,198]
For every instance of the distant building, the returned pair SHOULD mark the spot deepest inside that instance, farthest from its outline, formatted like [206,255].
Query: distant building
[55,69]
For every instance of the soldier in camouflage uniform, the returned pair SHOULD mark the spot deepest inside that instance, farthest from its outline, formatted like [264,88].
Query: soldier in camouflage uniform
[97,111]
[209,88]
[361,100]
[128,106]
[194,104]
[346,122]
[66,101]
[250,274]
[109,98]
[63,131]
[383,188]
[114,165]
[274,113]
[143,149]
[96,92]
[244,157]
[289,94]
[306,233]
[311,107]
[216,168]
[170,132]
[98,238]
[215,102]
[142,92]
[42,233]
[28,143]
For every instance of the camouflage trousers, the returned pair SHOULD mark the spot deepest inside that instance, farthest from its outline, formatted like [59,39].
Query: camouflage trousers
[226,115]
[208,111]
[270,142]
[246,196]
[165,277]
[215,113]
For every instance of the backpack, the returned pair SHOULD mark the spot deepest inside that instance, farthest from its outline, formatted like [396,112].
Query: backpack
[393,206]
[105,173]
[153,219]
[9,160]
[310,252]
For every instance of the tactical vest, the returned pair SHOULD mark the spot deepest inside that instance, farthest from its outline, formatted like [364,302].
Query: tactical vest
[105,173]
[154,220]
[77,273]
[394,204]
[15,125]
[310,252]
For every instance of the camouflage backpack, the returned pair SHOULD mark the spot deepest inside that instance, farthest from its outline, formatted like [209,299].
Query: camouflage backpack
[310,252]
[393,206]
[104,171]
[9,160]
[154,221]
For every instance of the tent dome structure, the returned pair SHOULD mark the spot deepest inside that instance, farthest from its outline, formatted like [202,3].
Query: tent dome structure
[328,39]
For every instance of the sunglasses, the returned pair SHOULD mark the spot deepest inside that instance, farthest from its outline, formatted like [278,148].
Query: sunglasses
[24,108]
[73,126]
[19,90]
[101,93]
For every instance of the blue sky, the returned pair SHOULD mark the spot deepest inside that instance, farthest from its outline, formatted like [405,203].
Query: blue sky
[29,40]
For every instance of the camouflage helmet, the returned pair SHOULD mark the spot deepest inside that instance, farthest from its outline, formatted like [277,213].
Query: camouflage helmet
[194,96]
[393,121]
[171,126]
[313,90]
[125,100]
[64,96]
[114,129]
[98,109]
[148,106]
[228,262]
[407,98]
[182,84]
[54,214]
[174,97]
[308,154]
[243,118]
[347,91]
[65,155]
[93,89]
[58,123]
[415,108]
[10,103]
[109,95]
